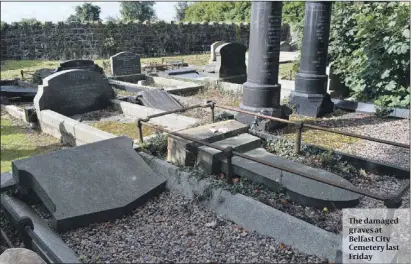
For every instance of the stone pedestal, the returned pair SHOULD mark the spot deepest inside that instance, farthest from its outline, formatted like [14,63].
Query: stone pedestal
[261,92]
[310,96]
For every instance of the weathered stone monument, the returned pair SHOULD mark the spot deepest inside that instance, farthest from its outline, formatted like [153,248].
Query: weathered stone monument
[213,47]
[90,183]
[87,65]
[230,62]
[125,63]
[261,92]
[310,96]
[73,92]
[126,66]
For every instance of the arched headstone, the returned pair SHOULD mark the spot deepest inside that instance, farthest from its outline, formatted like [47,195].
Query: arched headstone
[72,92]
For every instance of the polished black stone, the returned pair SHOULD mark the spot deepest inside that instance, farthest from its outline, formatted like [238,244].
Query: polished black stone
[90,183]
[310,96]
[261,92]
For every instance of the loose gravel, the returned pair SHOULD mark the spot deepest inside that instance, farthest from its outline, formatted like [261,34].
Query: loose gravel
[392,129]
[172,229]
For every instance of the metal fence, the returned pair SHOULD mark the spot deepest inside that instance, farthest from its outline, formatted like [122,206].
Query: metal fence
[390,201]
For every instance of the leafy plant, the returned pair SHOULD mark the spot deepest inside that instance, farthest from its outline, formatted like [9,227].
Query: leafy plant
[370,50]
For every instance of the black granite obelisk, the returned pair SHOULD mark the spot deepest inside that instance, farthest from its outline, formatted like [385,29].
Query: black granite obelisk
[310,96]
[261,92]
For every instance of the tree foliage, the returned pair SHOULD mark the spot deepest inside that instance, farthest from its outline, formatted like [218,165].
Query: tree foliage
[370,46]
[29,21]
[181,8]
[218,11]
[85,12]
[137,11]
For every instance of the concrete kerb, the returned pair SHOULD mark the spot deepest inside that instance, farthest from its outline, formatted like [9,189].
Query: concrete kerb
[69,130]
[249,213]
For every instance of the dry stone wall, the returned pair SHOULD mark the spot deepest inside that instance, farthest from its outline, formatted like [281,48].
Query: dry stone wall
[63,41]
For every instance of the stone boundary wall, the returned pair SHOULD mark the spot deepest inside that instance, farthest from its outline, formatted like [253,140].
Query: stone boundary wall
[94,40]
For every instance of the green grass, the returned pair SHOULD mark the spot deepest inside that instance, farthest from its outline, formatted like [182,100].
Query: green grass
[317,137]
[19,141]
[10,69]
[123,129]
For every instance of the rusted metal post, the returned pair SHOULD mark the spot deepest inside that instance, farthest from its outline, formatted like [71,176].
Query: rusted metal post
[140,130]
[229,155]
[298,137]
[212,107]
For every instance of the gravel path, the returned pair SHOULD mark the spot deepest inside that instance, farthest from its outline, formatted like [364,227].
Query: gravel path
[397,130]
[172,229]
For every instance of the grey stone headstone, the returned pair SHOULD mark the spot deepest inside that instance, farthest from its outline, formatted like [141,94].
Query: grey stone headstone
[230,59]
[125,63]
[73,92]
[213,47]
[90,183]
[87,65]
[159,99]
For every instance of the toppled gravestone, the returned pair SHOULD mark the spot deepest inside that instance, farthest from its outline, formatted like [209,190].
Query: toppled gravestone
[40,74]
[20,256]
[89,183]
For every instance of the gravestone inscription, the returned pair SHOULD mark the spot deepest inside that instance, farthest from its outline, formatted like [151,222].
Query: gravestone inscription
[73,92]
[125,63]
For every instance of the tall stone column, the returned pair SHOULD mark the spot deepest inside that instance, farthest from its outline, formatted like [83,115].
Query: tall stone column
[261,92]
[310,96]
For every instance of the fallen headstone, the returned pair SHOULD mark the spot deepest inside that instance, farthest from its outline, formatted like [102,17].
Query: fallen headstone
[73,92]
[17,91]
[90,183]
[40,74]
[159,99]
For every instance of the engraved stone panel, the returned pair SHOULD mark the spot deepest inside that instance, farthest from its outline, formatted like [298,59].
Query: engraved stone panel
[72,92]
[125,63]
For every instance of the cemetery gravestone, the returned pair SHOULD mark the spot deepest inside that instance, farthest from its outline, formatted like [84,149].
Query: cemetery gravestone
[213,47]
[230,60]
[125,63]
[89,183]
[159,99]
[80,64]
[73,92]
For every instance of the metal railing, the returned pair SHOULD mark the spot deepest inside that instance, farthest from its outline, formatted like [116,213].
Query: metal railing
[300,125]
[390,201]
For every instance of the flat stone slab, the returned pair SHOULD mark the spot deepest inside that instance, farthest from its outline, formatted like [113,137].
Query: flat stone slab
[302,190]
[14,90]
[50,241]
[159,99]
[182,152]
[180,71]
[7,182]
[89,183]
